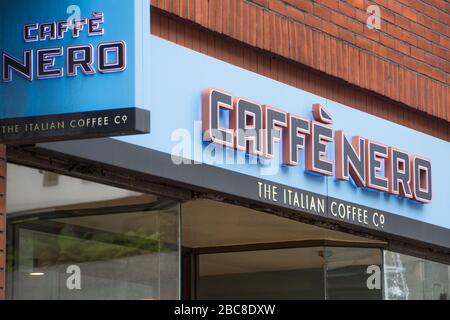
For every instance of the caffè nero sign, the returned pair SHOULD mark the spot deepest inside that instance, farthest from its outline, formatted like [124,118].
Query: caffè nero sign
[40,64]
[52,60]
[256,128]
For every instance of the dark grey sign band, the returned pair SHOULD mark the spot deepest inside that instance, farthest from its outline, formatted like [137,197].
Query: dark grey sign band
[205,177]
[79,125]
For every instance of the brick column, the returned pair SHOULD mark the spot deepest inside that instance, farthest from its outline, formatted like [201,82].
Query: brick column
[2,219]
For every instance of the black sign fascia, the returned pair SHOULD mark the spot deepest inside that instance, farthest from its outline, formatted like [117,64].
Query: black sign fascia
[74,126]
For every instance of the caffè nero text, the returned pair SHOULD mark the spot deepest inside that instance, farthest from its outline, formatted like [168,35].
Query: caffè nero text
[56,61]
[256,128]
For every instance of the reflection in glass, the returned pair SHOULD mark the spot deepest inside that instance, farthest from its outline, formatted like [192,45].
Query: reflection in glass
[411,278]
[263,274]
[353,273]
[98,242]
[298,273]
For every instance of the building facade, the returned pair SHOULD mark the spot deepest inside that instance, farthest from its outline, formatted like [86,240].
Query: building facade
[225,149]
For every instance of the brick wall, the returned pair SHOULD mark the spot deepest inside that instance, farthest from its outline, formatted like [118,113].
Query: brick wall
[198,38]
[407,60]
[2,219]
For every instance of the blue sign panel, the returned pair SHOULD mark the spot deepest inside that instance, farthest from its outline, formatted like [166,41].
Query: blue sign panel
[177,102]
[107,60]
[62,56]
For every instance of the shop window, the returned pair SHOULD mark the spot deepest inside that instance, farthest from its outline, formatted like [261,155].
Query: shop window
[411,278]
[233,252]
[298,273]
[353,273]
[264,274]
[80,240]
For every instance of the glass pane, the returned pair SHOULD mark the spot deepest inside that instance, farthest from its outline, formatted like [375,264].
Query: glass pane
[81,245]
[411,278]
[353,273]
[265,274]
[48,191]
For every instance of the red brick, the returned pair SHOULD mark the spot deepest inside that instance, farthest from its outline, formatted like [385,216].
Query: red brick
[338,19]
[424,44]
[198,12]
[409,13]
[284,36]
[212,15]
[414,34]
[409,38]
[252,25]
[424,20]
[334,65]
[301,29]
[245,22]
[393,55]
[266,37]
[340,62]
[442,52]
[296,42]
[445,17]
[418,29]
[417,53]
[183,9]
[388,15]
[328,61]
[402,22]
[240,20]
[260,28]
[361,16]
[264,3]
[2,169]
[321,51]
[394,31]
[372,34]
[364,43]
[333,4]
[277,6]
[273,33]
[346,35]
[394,6]
[322,12]
[431,12]
[445,42]
[316,48]
[2,265]
[295,14]
[403,47]
[346,9]
[345,58]
[304,5]
[387,40]
[357,3]
[432,36]
[330,28]
[355,26]
[354,65]
[191,10]
[313,21]
[2,186]
[176,7]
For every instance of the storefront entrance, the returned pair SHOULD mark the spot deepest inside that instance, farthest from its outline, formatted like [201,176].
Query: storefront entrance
[71,238]
[240,253]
